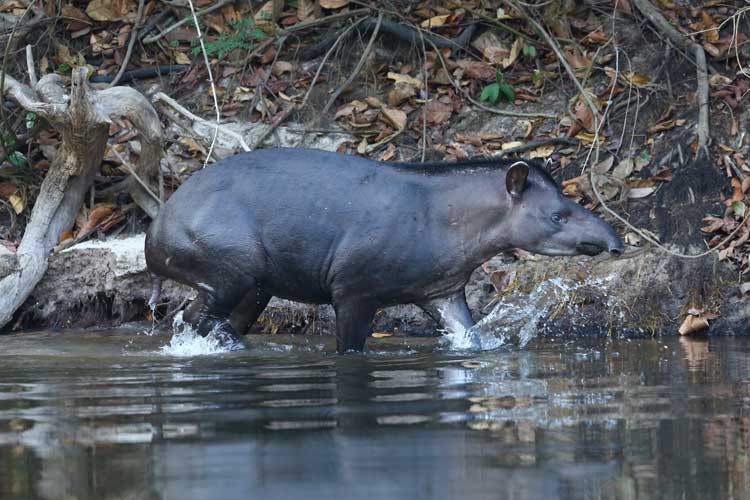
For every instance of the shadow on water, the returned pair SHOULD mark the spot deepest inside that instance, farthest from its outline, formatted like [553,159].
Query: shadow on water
[94,415]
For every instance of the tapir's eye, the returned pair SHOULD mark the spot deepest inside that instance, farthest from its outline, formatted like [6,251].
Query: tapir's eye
[556,218]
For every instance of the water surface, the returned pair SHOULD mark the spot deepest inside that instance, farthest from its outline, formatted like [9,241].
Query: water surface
[108,415]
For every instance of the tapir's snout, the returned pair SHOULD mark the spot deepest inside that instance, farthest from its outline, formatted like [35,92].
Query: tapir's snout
[608,241]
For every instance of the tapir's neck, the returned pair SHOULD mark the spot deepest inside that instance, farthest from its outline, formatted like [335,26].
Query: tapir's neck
[472,210]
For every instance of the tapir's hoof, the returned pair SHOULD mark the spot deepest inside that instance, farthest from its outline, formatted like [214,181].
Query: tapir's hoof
[231,342]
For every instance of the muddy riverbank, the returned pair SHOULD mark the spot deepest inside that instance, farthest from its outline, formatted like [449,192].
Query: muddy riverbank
[643,294]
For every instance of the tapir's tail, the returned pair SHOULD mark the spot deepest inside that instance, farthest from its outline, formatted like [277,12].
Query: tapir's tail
[155,290]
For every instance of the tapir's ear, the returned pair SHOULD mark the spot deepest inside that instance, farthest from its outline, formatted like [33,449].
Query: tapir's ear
[515,178]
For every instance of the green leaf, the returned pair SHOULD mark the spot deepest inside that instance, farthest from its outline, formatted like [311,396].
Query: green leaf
[536,77]
[174,43]
[739,208]
[30,120]
[490,93]
[63,68]
[529,51]
[257,34]
[499,77]
[17,159]
[507,92]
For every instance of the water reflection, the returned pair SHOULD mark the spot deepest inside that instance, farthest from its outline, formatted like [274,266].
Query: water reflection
[81,416]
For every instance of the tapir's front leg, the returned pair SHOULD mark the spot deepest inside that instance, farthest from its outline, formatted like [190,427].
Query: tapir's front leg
[450,312]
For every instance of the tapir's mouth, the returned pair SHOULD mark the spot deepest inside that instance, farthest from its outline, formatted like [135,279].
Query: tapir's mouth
[589,249]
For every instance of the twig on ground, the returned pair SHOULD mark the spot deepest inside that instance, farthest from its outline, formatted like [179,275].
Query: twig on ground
[538,143]
[131,43]
[162,97]
[357,68]
[132,172]
[210,76]
[305,25]
[30,66]
[273,126]
[171,313]
[322,63]
[660,22]
[194,18]
[148,72]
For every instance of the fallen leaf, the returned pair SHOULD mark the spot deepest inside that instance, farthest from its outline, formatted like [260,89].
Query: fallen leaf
[399,78]
[17,202]
[306,10]
[693,324]
[350,108]
[7,189]
[400,92]
[437,112]
[435,21]
[181,57]
[640,192]
[282,67]
[381,335]
[110,10]
[500,280]
[96,215]
[603,166]
[511,145]
[395,117]
[624,168]
[477,69]
[542,151]
[333,4]
[514,51]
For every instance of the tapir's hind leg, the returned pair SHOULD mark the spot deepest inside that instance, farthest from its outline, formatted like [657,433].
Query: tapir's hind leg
[249,309]
[212,315]
[449,312]
[353,319]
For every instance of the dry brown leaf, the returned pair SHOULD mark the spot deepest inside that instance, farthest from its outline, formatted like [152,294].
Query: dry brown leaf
[693,324]
[437,112]
[111,10]
[514,51]
[381,335]
[542,151]
[603,166]
[7,189]
[624,168]
[306,10]
[400,93]
[500,280]
[395,117]
[350,108]
[399,78]
[96,215]
[17,202]
[333,4]
[282,67]
[640,192]
[511,145]
[477,69]
[435,21]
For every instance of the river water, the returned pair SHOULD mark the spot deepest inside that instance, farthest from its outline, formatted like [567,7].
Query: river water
[116,415]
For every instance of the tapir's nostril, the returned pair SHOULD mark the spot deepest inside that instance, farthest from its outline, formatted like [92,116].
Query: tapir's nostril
[616,251]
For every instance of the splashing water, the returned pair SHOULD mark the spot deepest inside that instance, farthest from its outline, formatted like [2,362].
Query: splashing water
[186,342]
[510,320]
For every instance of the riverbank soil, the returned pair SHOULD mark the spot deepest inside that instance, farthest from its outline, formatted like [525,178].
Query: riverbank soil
[640,108]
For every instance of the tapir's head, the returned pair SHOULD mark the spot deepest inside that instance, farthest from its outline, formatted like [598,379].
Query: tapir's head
[542,220]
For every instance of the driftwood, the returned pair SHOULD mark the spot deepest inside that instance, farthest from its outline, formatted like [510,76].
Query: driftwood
[82,118]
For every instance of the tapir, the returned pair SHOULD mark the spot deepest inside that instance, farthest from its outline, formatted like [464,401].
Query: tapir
[322,227]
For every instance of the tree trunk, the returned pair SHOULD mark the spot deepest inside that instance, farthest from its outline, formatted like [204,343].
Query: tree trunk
[83,122]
